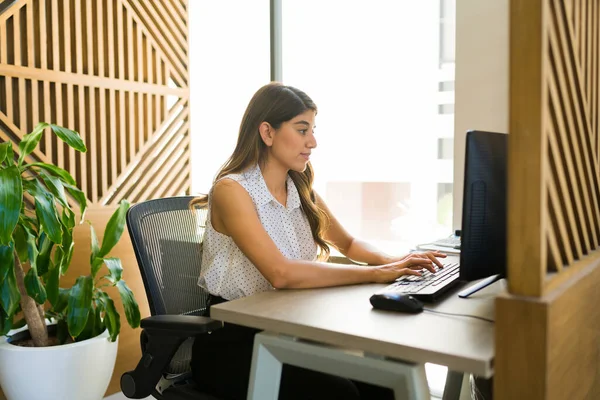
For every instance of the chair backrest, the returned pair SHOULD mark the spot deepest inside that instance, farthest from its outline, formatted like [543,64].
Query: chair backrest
[167,239]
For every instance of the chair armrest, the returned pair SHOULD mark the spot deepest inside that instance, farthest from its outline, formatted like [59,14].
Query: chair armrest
[179,325]
[165,334]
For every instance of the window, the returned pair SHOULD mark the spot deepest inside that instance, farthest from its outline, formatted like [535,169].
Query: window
[229,61]
[382,75]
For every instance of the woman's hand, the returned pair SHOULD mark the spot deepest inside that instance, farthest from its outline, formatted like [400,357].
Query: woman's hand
[410,264]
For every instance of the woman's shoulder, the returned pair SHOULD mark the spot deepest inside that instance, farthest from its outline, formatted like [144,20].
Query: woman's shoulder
[242,176]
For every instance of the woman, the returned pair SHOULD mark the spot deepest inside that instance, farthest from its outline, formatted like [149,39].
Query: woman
[268,229]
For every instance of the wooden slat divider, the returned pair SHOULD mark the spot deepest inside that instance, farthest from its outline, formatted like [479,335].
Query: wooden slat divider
[103,137]
[559,209]
[180,7]
[161,16]
[125,180]
[176,176]
[171,15]
[167,52]
[82,79]
[17,5]
[93,132]
[32,111]
[129,57]
[566,88]
[565,174]
[14,130]
[140,75]
[162,164]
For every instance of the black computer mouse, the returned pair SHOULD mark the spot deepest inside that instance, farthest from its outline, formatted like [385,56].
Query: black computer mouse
[396,302]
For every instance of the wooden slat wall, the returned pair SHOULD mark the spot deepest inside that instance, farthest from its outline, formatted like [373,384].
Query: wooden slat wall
[117,72]
[548,327]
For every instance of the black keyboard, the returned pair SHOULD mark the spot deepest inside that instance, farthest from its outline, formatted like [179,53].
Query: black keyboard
[428,286]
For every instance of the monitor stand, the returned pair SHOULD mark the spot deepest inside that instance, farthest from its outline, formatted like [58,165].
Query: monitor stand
[477,287]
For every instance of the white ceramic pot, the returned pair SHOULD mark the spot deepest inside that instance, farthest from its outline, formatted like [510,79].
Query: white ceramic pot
[76,371]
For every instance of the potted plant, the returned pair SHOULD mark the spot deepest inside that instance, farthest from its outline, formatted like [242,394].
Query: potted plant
[36,247]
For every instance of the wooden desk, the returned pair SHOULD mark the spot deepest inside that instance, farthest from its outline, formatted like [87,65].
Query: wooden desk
[343,316]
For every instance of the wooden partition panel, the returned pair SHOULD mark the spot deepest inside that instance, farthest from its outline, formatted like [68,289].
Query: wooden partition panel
[554,197]
[548,327]
[114,70]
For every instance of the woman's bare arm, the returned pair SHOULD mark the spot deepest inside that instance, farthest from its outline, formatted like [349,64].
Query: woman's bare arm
[359,250]
[234,214]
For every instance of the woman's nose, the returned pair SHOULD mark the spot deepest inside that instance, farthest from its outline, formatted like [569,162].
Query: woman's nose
[312,142]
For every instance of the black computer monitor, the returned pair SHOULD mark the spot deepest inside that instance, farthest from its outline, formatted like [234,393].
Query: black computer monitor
[483,232]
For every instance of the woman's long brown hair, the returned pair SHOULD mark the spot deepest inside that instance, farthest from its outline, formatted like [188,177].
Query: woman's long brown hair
[275,103]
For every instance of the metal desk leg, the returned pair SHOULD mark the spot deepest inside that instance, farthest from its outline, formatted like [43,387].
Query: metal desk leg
[408,381]
[454,382]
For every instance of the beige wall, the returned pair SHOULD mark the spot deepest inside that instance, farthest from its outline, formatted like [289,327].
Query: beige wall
[481,86]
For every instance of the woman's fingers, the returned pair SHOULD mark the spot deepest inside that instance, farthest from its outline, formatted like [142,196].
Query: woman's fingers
[417,261]
[408,271]
[433,257]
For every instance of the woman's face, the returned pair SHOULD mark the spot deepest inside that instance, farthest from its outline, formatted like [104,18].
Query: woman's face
[294,141]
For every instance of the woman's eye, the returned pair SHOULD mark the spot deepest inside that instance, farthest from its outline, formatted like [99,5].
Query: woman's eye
[303,131]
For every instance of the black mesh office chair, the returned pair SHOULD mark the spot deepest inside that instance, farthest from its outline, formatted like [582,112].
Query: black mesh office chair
[167,238]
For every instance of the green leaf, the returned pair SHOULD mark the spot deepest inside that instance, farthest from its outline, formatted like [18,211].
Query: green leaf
[5,322]
[70,137]
[89,328]
[67,244]
[9,294]
[99,325]
[29,222]
[62,331]
[10,155]
[34,286]
[114,228]
[115,268]
[56,171]
[132,310]
[111,318]
[80,197]
[30,141]
[80,303]
[68,218]
[52,284]
[20,240]
[19,324]
[95,247]
[11,197]
[63,300]
[32,250]
[45,246]
[45,210]
[56,187]
[4,150]
[96,265]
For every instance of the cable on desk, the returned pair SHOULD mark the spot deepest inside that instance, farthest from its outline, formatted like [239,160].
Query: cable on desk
[459,315]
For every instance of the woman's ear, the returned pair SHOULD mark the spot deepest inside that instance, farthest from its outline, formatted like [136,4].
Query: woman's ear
[266,133]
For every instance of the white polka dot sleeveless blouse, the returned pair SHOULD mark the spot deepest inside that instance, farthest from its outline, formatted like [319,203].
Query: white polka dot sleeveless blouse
[226,271]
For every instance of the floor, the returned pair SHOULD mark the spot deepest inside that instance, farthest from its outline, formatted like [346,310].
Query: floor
[120,396]
[436,376]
